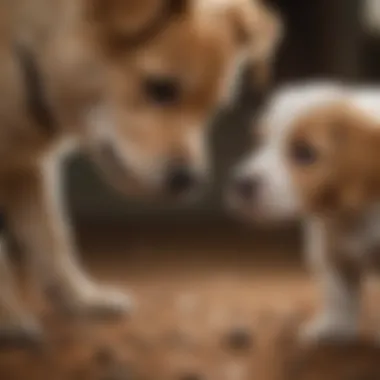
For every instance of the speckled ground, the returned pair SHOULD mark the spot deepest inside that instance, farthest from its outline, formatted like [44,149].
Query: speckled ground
[204,311]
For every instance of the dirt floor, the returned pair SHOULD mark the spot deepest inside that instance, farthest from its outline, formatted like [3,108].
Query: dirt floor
[209,306]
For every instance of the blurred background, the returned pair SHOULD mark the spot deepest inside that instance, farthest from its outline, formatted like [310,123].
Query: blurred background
[324,39]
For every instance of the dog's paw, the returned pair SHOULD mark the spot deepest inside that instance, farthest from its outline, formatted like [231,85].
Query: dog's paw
[94,302]
[21,333]
[108,302]
[328,330]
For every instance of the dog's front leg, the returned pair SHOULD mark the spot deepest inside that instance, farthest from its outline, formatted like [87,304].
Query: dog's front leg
[339,278]
[17,325]
[37,218]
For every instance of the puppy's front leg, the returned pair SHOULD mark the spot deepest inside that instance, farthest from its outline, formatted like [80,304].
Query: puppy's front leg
[339,280]
[17,325]
[37,217]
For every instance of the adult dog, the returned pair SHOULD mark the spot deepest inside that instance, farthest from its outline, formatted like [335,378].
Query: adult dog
[132,82]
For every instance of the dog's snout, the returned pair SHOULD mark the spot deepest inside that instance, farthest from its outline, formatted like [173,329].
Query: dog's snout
[180,179]
[246,188]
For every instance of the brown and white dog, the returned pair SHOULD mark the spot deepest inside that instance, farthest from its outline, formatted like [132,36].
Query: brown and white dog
[135,84]
[319,159]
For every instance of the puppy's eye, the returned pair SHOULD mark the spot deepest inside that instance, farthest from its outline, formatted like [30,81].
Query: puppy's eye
[302,153]
[162,91]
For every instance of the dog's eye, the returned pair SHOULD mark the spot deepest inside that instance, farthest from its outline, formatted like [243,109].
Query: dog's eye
[162,91]
[303,153]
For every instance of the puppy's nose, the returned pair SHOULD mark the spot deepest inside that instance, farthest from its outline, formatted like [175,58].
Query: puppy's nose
[180,179]
[246,188]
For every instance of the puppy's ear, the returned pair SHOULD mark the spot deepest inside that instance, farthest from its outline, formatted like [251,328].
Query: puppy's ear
[350,124]
[102,9]
[127,20]
[259,30]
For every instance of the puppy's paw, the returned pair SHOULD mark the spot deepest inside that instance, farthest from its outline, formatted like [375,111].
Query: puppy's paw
[107,302]
[22,332]
[93,302]
[328,330]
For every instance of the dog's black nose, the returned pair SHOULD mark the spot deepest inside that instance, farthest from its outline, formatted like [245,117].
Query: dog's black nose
[180,179]
[246,188]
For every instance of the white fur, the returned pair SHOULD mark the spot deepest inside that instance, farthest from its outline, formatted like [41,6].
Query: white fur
[372,16]
[233,80]
[276,195]
[196,142]
[142,165]
[367,99]
[277,198]
[339,317]
[99,120]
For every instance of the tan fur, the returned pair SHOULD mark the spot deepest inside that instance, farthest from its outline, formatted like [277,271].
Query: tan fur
[339,192]
[94,82]
[320,160]
[346,175]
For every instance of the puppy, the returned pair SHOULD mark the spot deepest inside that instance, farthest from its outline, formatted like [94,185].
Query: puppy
[133,83]
[319,160]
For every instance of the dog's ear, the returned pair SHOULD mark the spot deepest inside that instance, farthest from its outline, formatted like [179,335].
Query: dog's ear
[135,7]
[259,29]
[102,9]
[126,20]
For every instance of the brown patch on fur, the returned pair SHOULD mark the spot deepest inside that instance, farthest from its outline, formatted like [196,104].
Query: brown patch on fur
[263,31]
[256,27]
[98,91]
[345,175]
[119,24]
[202,70]
[196,46]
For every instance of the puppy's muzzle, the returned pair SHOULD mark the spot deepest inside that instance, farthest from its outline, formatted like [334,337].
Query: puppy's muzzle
[180,179]
[245,188]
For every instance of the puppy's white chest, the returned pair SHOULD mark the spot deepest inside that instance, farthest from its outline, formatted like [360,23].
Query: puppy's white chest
[363,240]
